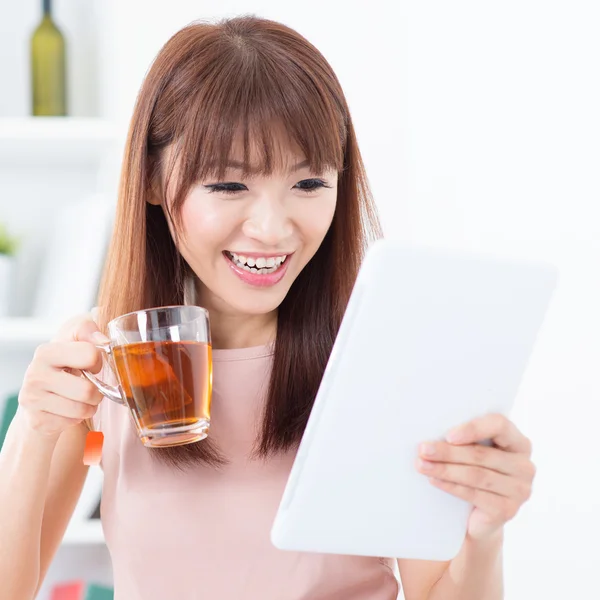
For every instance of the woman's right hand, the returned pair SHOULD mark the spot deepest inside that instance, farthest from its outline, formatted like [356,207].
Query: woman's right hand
[54,394]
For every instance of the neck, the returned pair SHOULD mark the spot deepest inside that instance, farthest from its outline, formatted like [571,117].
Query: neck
[47,8]
[230,330]
[242,331]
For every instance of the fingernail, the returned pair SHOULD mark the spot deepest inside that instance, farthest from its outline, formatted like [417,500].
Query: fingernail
[454,436]
[427,449]
[100,338]
[425,465]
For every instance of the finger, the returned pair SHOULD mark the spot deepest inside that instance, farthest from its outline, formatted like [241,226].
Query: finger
[69,330]
[496,427]
[49,423]
[63,407]
[477,478]
[499,508]
[508,463]
[72,387]
[74,355]
[88,331]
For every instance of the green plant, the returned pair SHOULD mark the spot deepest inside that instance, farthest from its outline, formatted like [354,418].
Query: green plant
[8,243]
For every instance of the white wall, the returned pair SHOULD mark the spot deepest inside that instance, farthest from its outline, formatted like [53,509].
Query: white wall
[480,126]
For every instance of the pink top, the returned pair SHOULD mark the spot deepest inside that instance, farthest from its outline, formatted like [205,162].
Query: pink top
[205,534]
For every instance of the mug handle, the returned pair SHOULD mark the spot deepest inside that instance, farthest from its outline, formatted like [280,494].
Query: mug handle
[112,392]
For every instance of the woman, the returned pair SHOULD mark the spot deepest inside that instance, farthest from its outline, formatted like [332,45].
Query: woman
[243,191]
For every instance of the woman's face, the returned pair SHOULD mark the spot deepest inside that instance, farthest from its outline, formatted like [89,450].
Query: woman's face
[247,239]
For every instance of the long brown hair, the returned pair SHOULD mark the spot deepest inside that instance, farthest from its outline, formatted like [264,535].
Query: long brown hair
[209,82]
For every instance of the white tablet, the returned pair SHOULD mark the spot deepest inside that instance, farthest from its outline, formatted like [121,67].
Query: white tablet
[431,338]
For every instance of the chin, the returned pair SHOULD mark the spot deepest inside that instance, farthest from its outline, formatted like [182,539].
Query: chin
[255,306]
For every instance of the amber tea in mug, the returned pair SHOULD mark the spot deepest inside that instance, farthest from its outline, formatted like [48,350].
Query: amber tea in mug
[166,384]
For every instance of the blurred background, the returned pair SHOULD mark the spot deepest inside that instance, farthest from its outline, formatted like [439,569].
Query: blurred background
[479,124]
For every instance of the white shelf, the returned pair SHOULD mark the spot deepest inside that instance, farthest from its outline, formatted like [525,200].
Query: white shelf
[54,140]
[84,532]
[26,331]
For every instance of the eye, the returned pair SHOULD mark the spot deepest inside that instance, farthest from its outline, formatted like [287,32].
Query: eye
[231,188]
[226,188]
[311,185]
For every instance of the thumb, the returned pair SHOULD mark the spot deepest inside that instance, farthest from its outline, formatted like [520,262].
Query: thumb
[88,332]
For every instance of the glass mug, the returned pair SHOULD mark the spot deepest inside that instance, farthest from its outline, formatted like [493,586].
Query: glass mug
[162,360]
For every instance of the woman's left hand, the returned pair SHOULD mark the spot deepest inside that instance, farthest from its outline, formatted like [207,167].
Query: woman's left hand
[496,480]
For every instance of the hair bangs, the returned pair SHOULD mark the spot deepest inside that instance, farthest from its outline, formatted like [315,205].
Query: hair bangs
[259,118]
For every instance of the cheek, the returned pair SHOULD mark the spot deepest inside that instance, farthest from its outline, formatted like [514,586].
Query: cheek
[315,223]
[203,225]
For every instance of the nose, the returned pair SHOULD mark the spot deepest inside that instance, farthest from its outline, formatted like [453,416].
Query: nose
[268,221]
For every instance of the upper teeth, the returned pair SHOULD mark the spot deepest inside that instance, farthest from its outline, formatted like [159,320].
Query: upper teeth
[261,262]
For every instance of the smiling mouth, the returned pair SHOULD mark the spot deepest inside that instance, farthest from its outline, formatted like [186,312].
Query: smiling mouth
[257,265]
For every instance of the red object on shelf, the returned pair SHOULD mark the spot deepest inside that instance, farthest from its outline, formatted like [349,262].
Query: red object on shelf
[74,590]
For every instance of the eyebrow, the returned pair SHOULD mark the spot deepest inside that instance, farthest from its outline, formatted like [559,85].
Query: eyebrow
[234,164]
